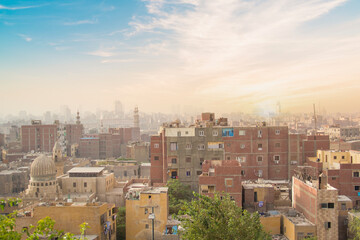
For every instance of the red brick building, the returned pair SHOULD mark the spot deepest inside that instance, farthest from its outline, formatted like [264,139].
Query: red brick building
[38,137]
[318,201]
[89,147]
[223,177]
[268,152]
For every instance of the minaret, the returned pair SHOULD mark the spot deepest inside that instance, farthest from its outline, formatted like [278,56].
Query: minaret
[78,118]
[136,129]
[136,118]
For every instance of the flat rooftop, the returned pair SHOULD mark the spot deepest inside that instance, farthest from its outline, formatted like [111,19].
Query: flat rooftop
[343,198]
[155,190]
[86,170]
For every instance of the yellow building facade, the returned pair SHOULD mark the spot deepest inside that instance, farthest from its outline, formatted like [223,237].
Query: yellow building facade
[139,208]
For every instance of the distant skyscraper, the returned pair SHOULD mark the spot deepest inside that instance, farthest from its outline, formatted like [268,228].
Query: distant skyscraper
[136,118]
[278,108]
[119,111]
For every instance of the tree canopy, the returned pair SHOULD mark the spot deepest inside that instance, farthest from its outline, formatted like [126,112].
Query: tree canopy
[355,228]
[178,194]
[219,218]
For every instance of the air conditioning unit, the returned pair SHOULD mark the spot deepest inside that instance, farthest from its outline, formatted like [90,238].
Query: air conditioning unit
[276,161]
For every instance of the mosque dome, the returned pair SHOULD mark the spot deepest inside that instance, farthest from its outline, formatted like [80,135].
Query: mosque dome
[43,168]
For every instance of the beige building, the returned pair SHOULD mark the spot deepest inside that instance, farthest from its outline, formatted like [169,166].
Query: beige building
[297,227]
[68,217]
[43,182]
[141,206]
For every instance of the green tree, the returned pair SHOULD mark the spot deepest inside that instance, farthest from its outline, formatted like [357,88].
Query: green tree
[355,228]
[219,219]
[179,193]
[121,224]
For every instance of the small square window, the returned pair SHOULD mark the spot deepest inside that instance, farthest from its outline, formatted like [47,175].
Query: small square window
[201,147]
[335,157]
[188,173]
[188,159]
[188,146]
[330,205]
[242,172]
[146,226]
[260,146]
[241,132]
[215,133]
[156,158]
[277,158]
[277,145]
[277,132]
[85,184]
[228,182]
[259,158]
[242,146]
[74,184]
[357,188]
[324,205]
[201,133]
[173,160]
[343,206]
[156,145]
[355,174]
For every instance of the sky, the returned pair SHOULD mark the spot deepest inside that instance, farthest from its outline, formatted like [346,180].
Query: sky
[163,55]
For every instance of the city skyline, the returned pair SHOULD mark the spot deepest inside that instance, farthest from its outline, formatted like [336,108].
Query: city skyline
[223,56]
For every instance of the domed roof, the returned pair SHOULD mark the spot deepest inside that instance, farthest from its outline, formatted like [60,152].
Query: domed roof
[43,167]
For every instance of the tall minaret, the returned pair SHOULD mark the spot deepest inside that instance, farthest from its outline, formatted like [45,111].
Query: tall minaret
[136,118]
[78,118]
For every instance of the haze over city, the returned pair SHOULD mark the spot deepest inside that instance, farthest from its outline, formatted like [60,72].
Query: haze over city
[222,56]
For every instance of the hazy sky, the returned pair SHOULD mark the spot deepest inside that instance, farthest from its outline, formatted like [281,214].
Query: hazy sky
[217,55]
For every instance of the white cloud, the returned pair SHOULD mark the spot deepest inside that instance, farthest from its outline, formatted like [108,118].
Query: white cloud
[25,37]
[80,22]
[15,8]
[233,49]
[102,53]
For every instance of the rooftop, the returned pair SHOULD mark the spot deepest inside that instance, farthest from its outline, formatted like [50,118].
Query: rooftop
[343,198]
[86,170]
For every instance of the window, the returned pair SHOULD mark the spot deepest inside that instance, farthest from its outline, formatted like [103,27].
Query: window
[125,173]
[227,132]
[327,225]
[342,157]
[335,157]
[355,174]
[260,173]
[74,184]
[259,158]
[201,147]
[85,184]
[242,172]
[188,146]
[324,205]
[228,182]
[198,173]
[211,189]
[241,159]
[357,188]
[259,134]
[188,159]
[277,132]
[330,205]
[333,178]
[156,145]
[343,206]
[260,146]
[277,145]
[241,132]
[242,146]
[201,133]
[201,161]
[173,146]
[215,133]
[277,158]
[173,160]
[146,226]
[156,158]
[146,211]
[188,173]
